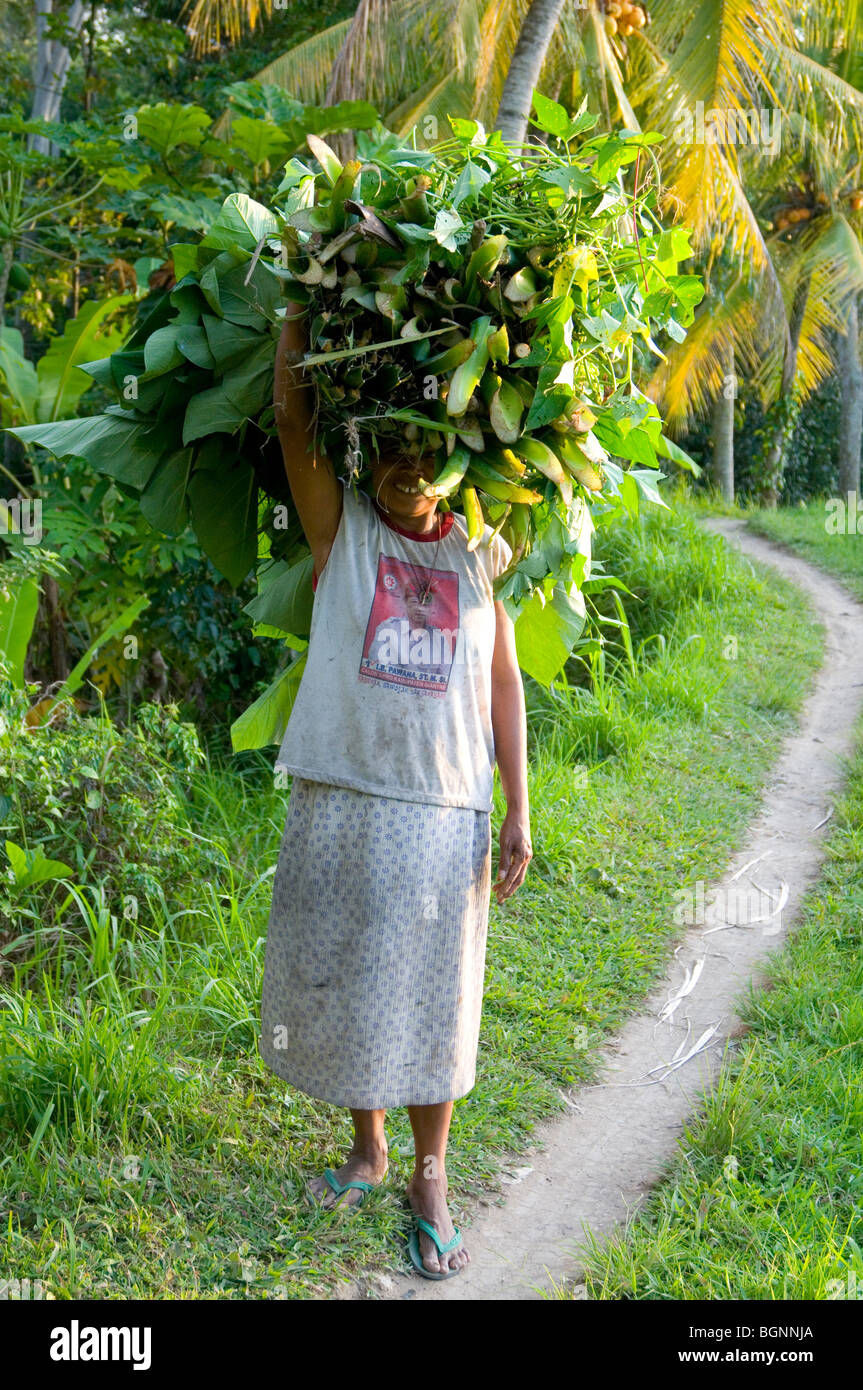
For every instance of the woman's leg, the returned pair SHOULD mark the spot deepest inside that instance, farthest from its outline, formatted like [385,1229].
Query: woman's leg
[366,1161]
[427,1188]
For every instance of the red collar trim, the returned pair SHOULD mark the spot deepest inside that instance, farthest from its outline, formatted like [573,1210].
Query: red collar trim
[446,524]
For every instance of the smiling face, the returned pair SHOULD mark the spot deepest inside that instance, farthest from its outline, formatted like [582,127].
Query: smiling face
[396,480]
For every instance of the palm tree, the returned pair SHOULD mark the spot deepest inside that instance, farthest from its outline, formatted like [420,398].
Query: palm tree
[851,418]
[723,429]
[525,65]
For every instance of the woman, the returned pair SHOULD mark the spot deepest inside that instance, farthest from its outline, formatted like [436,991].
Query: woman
[376,942]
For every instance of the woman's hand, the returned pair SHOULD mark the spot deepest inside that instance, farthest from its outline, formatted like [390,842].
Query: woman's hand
[515,853]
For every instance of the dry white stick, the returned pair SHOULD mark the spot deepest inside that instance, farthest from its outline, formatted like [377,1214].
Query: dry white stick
[784,895]
[689,983]
[669,1067]
[750,865]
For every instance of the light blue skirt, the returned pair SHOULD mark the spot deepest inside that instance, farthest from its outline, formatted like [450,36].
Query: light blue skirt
[375,957]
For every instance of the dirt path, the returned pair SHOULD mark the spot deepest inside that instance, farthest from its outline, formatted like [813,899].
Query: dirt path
[599,1160]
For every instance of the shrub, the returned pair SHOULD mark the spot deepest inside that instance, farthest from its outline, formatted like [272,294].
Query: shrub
[110,803]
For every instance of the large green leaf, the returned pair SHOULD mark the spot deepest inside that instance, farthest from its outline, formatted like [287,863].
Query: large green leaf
[164,502]
[30,866]
[109,443]
[242,221]
[18,381]
[266,720]
[62,380]
[196,214]
[161,352]
[185,258]
[225,517]
[100,370]
[228,342]
[546,632]
[18,605]
[253,303]
[192,342]
[164,125]
[286,597]
[249,385]
[259,140]
[211,412]
[325,120]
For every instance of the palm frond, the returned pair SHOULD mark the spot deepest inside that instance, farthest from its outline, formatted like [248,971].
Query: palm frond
[304,71]
[212,22]
[432,105]
[720,51]
[825,96]
[385,51]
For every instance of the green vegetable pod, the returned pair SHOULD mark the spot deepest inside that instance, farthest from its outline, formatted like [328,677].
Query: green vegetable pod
[450,478]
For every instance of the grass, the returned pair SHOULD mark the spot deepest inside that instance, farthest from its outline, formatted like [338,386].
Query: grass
[765,1200]
[147,1152]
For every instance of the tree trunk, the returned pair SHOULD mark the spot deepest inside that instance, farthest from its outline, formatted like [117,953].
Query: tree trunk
[851,420]
[525,67]
[723,429]
[784,411]
[358,59]
[52,66]
[56,629]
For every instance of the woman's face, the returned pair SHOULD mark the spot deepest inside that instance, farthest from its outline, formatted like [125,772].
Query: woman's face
[396,480]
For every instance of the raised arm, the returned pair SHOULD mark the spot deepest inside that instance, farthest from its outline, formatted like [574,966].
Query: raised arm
[509,729]
[316,491]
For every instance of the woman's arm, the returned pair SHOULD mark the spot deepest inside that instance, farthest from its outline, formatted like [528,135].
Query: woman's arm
[509,727]
[315,489]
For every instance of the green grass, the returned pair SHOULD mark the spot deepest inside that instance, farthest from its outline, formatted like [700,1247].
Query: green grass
[765,1200]
[148,1153]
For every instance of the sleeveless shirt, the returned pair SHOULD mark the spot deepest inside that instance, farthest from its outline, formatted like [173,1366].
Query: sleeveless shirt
[395,698]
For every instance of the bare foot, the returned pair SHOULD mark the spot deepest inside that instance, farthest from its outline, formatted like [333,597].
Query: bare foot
[427,1197]
[365,1165]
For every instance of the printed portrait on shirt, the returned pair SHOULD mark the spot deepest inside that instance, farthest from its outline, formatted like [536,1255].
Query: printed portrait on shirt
[412,635]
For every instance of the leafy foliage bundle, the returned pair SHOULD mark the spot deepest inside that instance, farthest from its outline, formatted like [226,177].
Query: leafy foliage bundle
[484,306]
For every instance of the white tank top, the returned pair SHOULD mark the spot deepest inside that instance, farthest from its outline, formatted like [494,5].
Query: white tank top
[395,699]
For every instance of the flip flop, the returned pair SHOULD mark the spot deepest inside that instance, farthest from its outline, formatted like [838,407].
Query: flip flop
[416,1257]
[339,1187]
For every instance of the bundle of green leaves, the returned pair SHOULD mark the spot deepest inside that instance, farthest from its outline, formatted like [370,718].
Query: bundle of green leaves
[485,306]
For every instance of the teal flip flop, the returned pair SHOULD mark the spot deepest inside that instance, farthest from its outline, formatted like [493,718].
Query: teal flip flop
[339,1187]
[414,1249]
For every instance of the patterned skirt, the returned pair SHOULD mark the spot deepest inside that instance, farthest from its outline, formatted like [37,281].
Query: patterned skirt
[375,954]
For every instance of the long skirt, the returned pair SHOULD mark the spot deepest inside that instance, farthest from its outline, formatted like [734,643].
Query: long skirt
[375,954]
